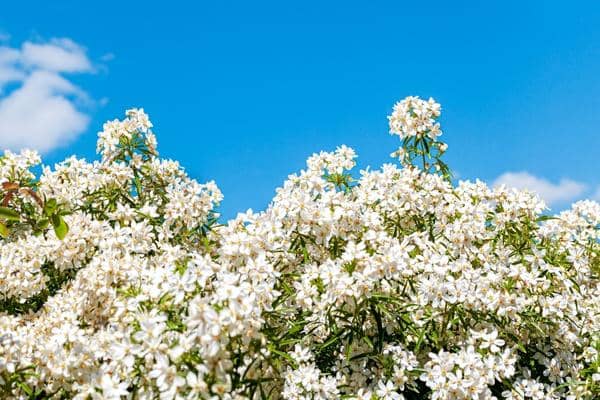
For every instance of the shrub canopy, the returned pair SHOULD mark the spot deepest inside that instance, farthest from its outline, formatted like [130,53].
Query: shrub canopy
[117,280]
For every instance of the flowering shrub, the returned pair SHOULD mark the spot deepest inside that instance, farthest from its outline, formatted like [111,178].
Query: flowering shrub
[118,282]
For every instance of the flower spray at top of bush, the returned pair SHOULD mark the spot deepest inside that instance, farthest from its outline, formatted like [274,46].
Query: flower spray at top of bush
[415,122]
[123,140]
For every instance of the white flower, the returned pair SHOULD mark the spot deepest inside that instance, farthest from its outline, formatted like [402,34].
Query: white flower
[386,391]
[415,117]
[112,389]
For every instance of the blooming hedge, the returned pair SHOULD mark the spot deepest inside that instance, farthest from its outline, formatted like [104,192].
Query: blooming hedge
[117,280]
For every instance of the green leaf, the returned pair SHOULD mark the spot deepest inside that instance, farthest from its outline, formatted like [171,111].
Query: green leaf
[426,146]
[9,214]
[43,223]
[543,218]
[60,226]
[284,355]
[25,387]
[4,232]
[50,206]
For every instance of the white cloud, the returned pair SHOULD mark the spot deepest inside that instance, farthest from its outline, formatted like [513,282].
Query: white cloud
[9,70]
[552,193]
[44,110]
[60,55]
[40,114]
[596,194]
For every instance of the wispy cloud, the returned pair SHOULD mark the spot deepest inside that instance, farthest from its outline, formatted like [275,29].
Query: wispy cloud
[107,57]
[44,109]
[596,194]
[552,193]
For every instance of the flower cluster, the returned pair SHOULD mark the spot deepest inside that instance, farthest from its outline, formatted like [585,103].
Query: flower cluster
[415,117]
[384,284]
[415,122]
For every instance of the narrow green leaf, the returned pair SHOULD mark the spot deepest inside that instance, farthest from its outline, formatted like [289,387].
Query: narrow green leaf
[9,214]
[282,354]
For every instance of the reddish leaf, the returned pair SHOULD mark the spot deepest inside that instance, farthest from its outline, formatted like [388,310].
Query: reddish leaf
[7,198]
[10,186]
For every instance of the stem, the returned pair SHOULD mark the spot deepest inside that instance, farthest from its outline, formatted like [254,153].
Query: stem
[422,142]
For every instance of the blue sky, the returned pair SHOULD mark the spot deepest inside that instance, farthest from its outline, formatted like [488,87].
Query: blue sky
[244,92]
